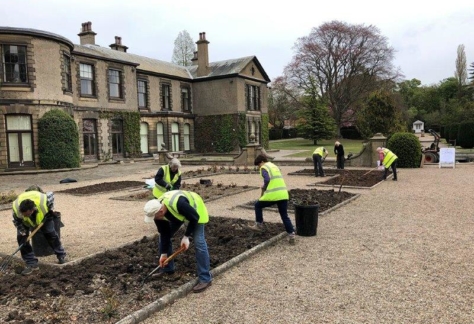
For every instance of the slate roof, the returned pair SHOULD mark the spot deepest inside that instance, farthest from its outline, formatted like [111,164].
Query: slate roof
[144,63]
[36,33]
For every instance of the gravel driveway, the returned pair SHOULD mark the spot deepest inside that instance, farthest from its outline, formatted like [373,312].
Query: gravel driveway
[400,253]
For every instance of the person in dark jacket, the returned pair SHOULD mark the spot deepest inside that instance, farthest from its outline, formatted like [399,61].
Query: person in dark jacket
[168,177]
[30,209]
[339,151]
[169,213]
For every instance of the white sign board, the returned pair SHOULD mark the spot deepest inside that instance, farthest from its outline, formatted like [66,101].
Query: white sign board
[447,157]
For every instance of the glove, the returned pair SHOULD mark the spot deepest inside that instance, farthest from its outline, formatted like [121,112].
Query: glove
[169,187]
[22,230]
[185,242]
[163,258]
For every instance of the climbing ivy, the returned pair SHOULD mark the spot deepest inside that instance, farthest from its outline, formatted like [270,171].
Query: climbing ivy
[131,130]
[221,133]
[265,136]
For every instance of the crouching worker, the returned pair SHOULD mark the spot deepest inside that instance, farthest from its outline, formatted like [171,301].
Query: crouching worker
[167,178]
[30,209]
[169,213]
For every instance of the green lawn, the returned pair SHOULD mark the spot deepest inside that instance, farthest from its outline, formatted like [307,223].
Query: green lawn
[354,146]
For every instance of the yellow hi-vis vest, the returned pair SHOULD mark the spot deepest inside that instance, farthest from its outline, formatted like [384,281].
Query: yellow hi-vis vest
[388,157]
[159,190]
[41,203]
[170,199]
[319,151]
[276,189]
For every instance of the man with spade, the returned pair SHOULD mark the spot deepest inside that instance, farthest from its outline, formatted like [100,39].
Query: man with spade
[169,212]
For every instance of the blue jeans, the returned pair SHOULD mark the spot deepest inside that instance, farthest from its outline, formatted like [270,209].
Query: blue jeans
[202,253]
[282,209]
[51,237]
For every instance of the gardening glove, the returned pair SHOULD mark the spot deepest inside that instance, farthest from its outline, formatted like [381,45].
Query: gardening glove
[185,242]
[163,258]
[169,187]
[21,230]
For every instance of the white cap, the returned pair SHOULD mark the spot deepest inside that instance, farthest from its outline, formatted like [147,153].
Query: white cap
[151,208]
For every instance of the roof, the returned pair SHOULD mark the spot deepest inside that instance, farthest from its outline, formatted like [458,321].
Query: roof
[228,67]
[36,33]
[143,63]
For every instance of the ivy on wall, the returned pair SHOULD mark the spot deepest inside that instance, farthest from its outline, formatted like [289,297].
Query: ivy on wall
[131,130]
[265,132]
[220,133]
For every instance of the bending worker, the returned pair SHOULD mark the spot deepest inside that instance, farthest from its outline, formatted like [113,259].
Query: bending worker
[319,155]
[30,209]
[169,213]
[167,178]
[389,159]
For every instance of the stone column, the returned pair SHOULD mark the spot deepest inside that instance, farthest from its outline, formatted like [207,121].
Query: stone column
[378,140]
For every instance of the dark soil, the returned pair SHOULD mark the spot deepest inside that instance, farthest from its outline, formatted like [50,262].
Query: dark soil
[326,199]
[103,187]
[108,286]
[347,177]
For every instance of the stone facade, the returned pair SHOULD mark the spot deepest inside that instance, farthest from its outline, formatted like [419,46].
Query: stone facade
[41,71]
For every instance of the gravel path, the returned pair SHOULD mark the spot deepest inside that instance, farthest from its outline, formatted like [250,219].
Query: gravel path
[400,253]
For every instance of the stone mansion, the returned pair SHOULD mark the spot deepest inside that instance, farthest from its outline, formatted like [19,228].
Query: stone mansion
[180,108]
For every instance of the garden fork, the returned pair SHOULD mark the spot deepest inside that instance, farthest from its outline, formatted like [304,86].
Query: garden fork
[8,259]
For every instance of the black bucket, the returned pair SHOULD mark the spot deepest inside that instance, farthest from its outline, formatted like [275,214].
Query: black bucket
[306,219]
[39,243]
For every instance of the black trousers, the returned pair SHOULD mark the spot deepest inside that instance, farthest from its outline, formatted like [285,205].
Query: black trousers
[394,170]
[340,161]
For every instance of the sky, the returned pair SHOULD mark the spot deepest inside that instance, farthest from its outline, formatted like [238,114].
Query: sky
[425,36]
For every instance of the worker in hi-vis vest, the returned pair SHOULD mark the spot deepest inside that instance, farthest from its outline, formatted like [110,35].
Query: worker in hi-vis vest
[167,178]
[319,155]
[388,160]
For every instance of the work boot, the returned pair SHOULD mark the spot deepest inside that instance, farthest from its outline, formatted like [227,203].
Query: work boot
[161,273]
[201,286]
[62,259]
[291,238]
[29,269]
[394,179]
[257,227]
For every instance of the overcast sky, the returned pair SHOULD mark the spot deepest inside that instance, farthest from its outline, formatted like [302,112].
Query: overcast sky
[425,36]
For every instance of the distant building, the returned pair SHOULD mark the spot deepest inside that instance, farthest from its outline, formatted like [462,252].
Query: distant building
[419,127]
[180,107]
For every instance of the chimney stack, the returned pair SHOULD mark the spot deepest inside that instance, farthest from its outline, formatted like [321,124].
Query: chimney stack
[194,60]
[118,45]
[203,55]
[87,36]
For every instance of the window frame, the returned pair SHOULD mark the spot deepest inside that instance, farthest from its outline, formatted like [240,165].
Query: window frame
[119,84]
[67,63]
[253,97]
[144,94]
[5,64]
[186,100]
[92,80]
[166,97]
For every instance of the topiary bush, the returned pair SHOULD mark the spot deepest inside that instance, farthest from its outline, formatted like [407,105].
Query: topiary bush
[408,149]
[466,135]
[58,141]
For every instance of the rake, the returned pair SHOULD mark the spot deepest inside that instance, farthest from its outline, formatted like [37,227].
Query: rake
[171,257]
[8,260]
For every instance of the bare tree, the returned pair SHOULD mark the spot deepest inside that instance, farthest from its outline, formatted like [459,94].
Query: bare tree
[461,67]
[183,50]
[341,63]
[281,106]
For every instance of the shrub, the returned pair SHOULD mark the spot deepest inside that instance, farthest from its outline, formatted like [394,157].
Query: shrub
[350,132]
[408,149]
[466,135]
[58,141]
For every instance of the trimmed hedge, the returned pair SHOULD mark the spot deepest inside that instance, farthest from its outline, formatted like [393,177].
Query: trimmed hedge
[408,149]
[466,135]
[58,141]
